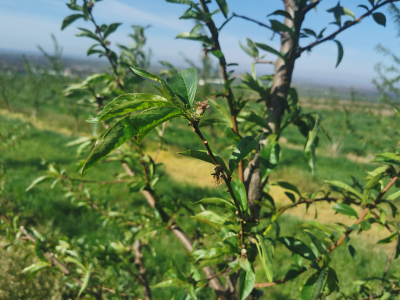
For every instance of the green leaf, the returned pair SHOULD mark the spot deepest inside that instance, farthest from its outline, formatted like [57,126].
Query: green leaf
[298,247]
[38,180]
[345,187]
[289,186]
[246,283]
[195,37]
[85,281]
[210,253]
[313,286]
[39,251]
[202,155]
[280,12]
[76,262]
[222,111]
[311,144]
[393,196]
[110,29]
[320,247]
[240,193]
[340,52]
[211,218]
[128,103]
[252,117]
[184,84]
[269,156]
[388,158]
[348,12]
[379,18]
[69,20]
[89,34]
[280,27]
[244,147]
[389,239]
[217,202]
[345,210]
[265,258]
[223,6]
[171,282]
[310,32]
[270,50]
[187,2]
[139,124]
[36,267]
[166,90]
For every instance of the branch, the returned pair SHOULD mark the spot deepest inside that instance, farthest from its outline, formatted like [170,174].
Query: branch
[142,270]
[388,265]
[54,261]
[222,63]
[309,7]
[348,25]
[343,237]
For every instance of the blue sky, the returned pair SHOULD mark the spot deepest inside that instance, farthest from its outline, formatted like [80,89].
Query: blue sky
[24,24]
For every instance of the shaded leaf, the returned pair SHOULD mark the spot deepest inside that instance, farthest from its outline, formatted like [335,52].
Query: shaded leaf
[379,18]
[202,155]
[312,286]
[298,247]
[345,187]
[340,52]
[223,6]
[110,29]
[70,19]
[244,147]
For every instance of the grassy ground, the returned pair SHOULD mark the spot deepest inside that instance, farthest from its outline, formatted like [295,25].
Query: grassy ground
[342,156]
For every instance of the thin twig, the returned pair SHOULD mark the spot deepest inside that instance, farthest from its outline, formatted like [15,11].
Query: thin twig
[54,261]
[222,63]
[346,26]
[388,264]
[344,236]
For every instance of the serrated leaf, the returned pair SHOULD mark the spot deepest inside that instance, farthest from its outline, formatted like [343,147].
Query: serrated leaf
[239,191]
[128,103]
[139,124]
[223,6]
[379,18]
[202,155]
[246,283]
[69,20]
[265,258]
[165,88]
[345,210]
[184,84]
[297,246]
[244,147]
